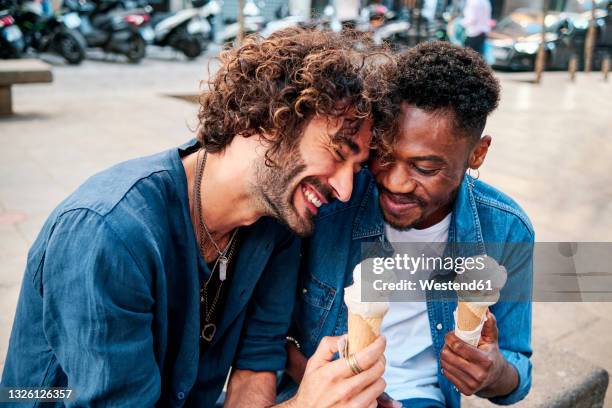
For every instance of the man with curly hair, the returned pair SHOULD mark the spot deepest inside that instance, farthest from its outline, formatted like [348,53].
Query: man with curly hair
[137,287]
[417,191]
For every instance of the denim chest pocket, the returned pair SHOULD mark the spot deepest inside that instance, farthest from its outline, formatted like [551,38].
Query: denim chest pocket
[316,301]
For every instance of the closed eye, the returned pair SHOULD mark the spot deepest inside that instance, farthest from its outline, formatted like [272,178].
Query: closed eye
[339,155]
[425,172]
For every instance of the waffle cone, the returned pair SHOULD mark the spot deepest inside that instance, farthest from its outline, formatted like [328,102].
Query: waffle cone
[362,331]
[469,315]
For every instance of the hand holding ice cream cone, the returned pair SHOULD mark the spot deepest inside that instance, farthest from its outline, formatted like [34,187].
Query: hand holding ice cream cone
[472,305]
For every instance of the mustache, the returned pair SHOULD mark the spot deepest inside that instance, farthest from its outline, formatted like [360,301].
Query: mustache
[403,198]
[323,189]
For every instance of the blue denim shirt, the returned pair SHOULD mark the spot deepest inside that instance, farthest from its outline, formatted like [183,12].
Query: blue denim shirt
[481,215]
[109,304]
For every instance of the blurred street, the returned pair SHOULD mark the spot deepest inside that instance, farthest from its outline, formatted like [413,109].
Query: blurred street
[551,152]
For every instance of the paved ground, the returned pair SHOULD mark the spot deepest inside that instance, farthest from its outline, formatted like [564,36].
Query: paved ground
[551,152]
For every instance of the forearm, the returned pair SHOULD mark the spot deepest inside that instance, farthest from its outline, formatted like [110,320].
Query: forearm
[506,383]
[251,389]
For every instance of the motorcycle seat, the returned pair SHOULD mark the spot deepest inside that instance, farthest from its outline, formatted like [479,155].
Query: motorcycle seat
[157,17]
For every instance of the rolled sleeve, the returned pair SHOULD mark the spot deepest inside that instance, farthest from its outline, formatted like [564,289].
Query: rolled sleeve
[97,315]
[262,344]
[514,317]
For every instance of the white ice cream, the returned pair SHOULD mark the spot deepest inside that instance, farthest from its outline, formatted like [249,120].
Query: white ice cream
[352,298]
[493,272]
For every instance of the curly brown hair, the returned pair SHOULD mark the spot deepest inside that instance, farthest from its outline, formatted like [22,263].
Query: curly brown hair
[271,87]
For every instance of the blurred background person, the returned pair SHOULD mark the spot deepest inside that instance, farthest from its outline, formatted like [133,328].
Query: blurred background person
[476,20]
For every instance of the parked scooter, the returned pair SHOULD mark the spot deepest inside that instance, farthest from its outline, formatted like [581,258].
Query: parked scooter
[253,23]
[284,19]
[188,31]
[54,33]
[113,30]
[11,38]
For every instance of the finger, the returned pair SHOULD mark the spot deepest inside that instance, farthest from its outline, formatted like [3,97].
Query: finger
[467,377]
[325,352]
[365,379]
[370,355]
[475,372]
[365,359]
[458,379]
[490,333]
[464,350]
[369,394]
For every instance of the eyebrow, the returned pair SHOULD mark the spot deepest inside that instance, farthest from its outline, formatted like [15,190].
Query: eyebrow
[349,128]
[352,145]
[430,158]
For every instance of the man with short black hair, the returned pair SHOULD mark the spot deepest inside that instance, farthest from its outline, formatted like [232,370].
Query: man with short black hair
[417,190]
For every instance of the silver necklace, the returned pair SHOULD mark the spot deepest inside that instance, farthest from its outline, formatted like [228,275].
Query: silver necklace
[222,258]
[208,327]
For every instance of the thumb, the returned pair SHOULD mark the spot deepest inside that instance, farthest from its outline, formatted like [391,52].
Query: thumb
[489,333]
[325,352]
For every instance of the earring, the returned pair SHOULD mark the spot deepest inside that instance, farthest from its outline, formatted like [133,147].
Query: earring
[477,173]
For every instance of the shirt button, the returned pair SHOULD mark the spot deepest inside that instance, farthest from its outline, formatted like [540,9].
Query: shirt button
[304,290]
[180,395]
[439,326]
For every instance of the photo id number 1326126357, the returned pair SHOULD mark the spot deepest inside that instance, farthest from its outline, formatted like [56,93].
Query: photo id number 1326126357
[23,394]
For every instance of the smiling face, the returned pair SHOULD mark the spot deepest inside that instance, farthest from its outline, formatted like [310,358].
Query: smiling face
[418,185]
[320,169]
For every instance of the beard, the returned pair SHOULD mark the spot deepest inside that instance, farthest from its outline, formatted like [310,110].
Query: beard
[424,211]
[275,188]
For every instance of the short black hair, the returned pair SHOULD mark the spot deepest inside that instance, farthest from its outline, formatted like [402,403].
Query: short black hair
[439,76]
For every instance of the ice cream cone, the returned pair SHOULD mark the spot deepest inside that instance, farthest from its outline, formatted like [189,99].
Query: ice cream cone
[364,318]
[469,315]
[362,331]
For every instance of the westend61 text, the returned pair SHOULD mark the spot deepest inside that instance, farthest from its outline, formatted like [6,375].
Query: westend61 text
[427,284]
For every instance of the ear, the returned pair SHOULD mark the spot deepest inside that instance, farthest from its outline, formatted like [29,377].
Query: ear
[479,152]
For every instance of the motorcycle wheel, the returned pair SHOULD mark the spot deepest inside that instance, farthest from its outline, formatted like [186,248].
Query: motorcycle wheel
[192,48]
[137,48]
[69,47]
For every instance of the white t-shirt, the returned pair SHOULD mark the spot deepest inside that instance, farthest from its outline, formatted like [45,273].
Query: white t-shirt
[476,17]
[412,366]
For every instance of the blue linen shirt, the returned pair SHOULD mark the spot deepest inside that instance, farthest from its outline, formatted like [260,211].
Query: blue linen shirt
[482,216]
[109,304]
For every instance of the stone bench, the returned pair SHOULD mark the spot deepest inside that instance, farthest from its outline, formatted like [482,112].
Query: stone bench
[560,380]
[20,71]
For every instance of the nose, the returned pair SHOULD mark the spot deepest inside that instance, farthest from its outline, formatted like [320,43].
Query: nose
[342,183]
[398,180]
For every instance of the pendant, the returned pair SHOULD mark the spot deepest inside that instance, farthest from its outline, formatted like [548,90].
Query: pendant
[208,332]
[223,268]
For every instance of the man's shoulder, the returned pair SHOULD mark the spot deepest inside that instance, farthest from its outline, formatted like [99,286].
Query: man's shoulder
[140,180]
[127,198]
[501,207]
